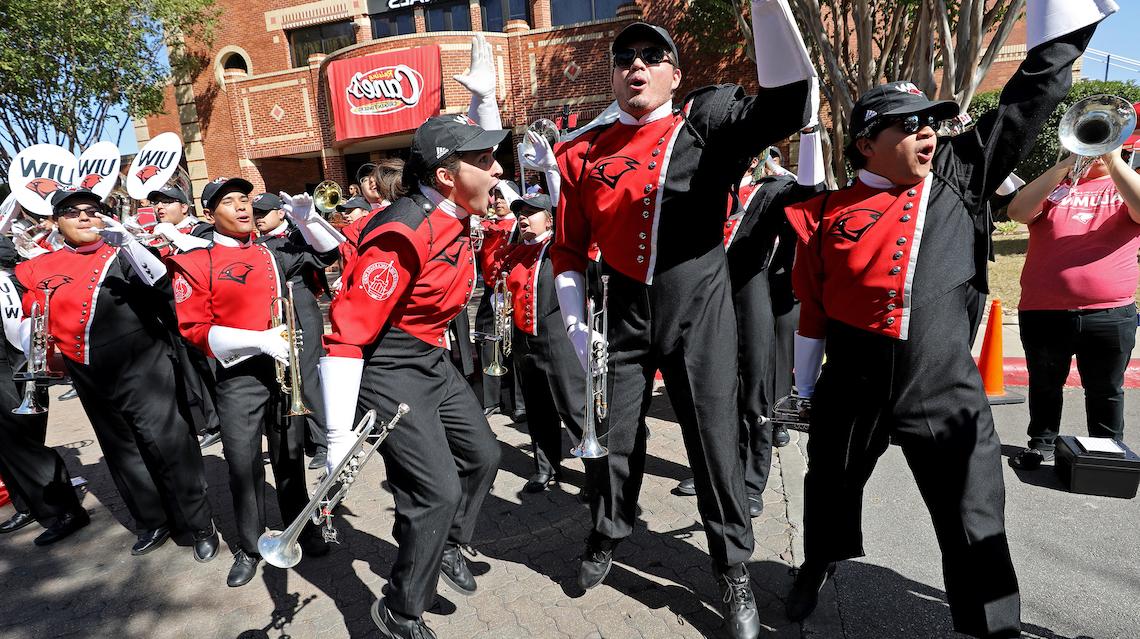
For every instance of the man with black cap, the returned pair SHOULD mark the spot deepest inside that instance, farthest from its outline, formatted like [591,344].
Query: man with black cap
[172,206]
[110,318]
[414,273]
[647,180]
[224,296]
[354,208]
[33,473]
[883,271]
[309,284]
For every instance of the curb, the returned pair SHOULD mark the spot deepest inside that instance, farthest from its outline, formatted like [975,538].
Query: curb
[1017,373]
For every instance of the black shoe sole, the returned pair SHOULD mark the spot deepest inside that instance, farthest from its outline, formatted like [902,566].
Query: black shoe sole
[374,612]
[829,574]
[454,586]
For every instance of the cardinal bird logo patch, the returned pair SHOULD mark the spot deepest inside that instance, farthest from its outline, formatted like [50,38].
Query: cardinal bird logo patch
[379,280]
[147,172]
[236,272]
[90,181]
[853,224]
[43,187]
[52,282]
[610,170]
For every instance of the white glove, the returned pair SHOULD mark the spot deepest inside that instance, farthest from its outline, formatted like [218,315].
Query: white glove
[315,229]
[480,81]
[114,233]
[233,345]
[539,155]
[813,99]
[578,335]
[340,387]
[298,208]
[182,241]
[335,286]
[808,358]
[9,211]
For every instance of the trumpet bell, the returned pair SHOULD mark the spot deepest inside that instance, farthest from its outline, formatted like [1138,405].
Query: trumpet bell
[544,128]
[589,448]
[494,369]
[279,551]
[1097,125]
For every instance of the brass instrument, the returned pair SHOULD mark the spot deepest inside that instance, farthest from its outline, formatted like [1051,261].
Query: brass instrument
[291,387]
[326,196]
[38,372]
[597,364]
[1092,127]
[280,548]
[476,233]
[503,312]
[27,233]
[792,412]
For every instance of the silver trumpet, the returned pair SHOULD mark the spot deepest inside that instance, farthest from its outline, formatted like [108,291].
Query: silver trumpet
[597,404]
[291,387]
[37,372]
[502,309]
[793,412]
[1092,127]
[281,548]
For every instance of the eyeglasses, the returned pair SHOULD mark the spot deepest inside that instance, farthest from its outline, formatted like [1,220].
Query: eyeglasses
[651,55]
[910,124]
[74,212]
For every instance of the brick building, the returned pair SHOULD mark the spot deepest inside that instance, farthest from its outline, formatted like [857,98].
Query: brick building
[265,108]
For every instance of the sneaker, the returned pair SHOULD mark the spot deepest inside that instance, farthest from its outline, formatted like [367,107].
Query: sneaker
[1030,459]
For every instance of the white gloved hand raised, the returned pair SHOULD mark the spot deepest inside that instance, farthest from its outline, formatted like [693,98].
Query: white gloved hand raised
[539,157]
[113,232]
[480,76]
[298,208]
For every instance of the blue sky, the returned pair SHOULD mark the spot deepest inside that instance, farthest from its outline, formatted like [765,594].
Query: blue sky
[1120,36]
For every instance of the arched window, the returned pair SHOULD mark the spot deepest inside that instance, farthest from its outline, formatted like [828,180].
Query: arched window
[235,62]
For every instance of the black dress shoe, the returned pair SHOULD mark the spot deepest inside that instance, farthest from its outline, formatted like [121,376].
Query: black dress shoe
[16,522]
[318,460]
[687,487]
[398,627]
[244,568]
[755,505]
[518,417]
[538,482]
[64,525]
[804,594]
[209,439]
[150,540]
[494,410]
[780,436]
[313,543]
[596,562]
[455,572]
[206,544]
[1031,459]
[738,605]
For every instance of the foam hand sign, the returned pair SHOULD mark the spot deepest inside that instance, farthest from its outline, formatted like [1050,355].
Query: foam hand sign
[154,165]
[37,172]
[99,168]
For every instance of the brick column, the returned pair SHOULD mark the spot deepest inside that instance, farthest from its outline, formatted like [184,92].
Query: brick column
[476,15]
[332,166]
[540,13]
[421,20]
[363,26]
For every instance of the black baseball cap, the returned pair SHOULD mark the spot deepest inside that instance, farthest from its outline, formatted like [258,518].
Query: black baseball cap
[365,169]
[356,202]
[266,202]
[895,99]
[63,196]
[445,135]
[533,200]
[217,186]
[648,33]
[172,192]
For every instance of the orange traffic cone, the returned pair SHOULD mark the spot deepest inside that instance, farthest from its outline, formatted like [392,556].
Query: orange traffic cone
[991,361]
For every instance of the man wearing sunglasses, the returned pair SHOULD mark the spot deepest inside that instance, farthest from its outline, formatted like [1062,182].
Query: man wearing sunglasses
[647,181]
[885,272]
[110,319]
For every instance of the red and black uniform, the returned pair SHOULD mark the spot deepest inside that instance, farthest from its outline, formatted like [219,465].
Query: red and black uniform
[232,283]
[308,285]
[415,273]
[503,392]
[884,273]
[116,336]
[553,383]
[651,193]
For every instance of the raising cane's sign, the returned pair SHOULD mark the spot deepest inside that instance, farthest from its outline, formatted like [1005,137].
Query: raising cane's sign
[385,93]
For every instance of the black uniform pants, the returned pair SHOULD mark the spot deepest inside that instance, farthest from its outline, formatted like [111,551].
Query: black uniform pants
[1102,341]
[925,392]
[34,473]
[441,459]
[756,331]
[249,405]
[312,323]
[786,310]
[554,387]
[684,326]
[133,394]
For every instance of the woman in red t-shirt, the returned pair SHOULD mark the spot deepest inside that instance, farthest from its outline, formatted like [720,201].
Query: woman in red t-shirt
[1078,295]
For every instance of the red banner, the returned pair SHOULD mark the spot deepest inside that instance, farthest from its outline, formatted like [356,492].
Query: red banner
[385,93]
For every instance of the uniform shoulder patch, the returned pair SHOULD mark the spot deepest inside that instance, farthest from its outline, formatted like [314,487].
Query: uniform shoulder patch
[182,289]
[379,280]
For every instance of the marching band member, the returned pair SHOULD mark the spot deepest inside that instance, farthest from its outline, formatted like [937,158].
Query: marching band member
[415,272]
[387,177]
[308,285]
[34,474]
[883,272]
[224,296]
[544,360]
[113,328]
[500,394]
[632,180]
[172,206]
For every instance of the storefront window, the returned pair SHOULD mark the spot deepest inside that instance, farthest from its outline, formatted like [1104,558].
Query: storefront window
[391,24]
[572,11]
[496,13]
[322,38]
[452,16]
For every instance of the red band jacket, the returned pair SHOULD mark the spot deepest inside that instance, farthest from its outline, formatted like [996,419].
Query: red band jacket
[871,253]
[529,277]
[415,272]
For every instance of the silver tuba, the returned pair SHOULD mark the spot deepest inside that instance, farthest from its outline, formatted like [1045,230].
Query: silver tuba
[597,363]
[281,548]
[1094,126]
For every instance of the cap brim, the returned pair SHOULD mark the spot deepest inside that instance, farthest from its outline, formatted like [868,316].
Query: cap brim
[642,31]
[86,195]
[485,140]
[940,109]
[242,185]
[521,204]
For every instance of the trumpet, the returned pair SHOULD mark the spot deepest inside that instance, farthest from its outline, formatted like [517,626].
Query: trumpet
[792,412]
[501,305]
[476,233]
[280,548]
[597,402]
[1092,127]
[38,372]
[291,387]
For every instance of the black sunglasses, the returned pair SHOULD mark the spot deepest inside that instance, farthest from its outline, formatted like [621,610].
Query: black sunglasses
[74,211]
[910,124]
[651,55]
